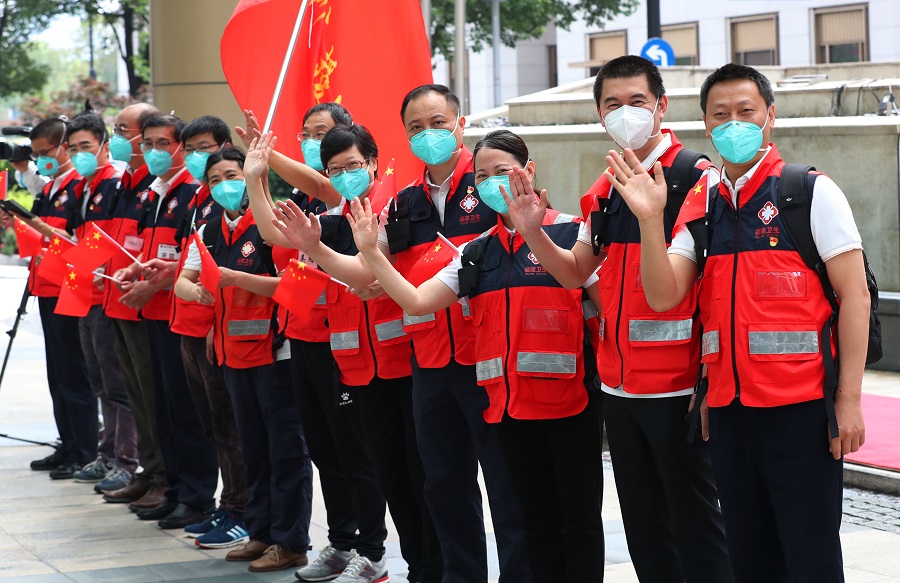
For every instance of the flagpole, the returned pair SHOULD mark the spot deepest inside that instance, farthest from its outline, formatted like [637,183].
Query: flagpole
[284,67]
[116,243]
[447,241]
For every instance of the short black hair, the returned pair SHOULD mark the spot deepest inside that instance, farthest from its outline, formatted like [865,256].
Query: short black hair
[342,138]
[90,122]
[504,140]
[164,120]
[53,130]
[421,90]
[207,124]
[224,154]
[338,113]
[629,66]
[733,72]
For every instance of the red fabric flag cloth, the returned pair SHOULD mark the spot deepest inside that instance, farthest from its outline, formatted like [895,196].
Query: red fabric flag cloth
[210,274]
[432,261]
[4,184]
[694,206]
[385,189]
[53,267]
[28,239]
[75,293]
[94,249]
[365,54]
[300,287]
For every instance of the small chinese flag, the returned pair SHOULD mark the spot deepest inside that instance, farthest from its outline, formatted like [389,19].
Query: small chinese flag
[694,205]
[75,293]
[4,184]
[28,239]
[300,287]
[438,255]
[386,188]
[209,270]
[95,249]
[53,267]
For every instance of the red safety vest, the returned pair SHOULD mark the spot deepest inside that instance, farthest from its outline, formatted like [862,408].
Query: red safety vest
[756,280]
[367,338]
[528,328]
[58,212]
[412,228]
[639,349]
[103,187]
[243,324]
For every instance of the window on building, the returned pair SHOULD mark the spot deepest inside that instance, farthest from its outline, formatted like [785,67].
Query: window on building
[553,78]
[606,46]
[684,41]
[754,40]
[842,34]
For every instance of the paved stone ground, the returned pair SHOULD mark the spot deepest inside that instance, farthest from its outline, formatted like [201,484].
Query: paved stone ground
[873,510]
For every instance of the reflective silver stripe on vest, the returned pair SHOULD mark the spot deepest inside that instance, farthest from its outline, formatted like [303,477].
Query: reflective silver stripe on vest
[710,343]
[486,370]
[321,300]
[248,327]
[589,309]
[344,340]
[659,330]
[466,310]
[411,320]
[784,342]
[563,218]
[547,363]
[389,330]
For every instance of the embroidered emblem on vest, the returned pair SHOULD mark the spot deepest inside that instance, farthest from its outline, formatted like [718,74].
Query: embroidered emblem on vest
[247,249]
[469,203]
[533,259]
[767,212]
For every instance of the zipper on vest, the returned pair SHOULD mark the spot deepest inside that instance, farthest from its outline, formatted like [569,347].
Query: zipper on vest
[734,369]
[619,313]
[447,310]
[222,299]
[369,337]
[512,262]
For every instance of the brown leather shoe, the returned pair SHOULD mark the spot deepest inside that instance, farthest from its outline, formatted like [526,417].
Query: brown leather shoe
[249,551]
[277,558]
[151,499]
[133,491]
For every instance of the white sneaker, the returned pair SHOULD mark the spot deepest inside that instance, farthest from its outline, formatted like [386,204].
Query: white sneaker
[362,570]
[329,564]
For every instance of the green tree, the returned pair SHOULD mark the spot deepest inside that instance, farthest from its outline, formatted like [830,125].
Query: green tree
[19,20]
[72,101]
[129,23]
[519,19]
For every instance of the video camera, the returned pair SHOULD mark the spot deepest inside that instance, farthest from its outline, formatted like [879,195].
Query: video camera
[15,152]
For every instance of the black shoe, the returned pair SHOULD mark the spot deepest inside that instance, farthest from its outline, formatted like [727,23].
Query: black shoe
[163,509]
[64,472]
[51,462]
[182,516]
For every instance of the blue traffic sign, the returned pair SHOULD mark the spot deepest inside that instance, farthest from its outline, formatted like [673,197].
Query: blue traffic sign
[659,52]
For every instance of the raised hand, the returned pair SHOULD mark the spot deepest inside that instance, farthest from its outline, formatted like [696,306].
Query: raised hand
[526,211]
[301,231]
[644,194]
[256,164]
[364,225]
[252,130]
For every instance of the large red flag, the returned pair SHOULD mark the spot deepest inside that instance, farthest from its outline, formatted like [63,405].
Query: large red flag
[75,293]
[210,274]
[94,249]
[53,267]
[28,239]
[300,287]
[364,54]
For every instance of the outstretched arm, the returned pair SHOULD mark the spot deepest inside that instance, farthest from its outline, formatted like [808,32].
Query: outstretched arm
[256,168]
[259,284]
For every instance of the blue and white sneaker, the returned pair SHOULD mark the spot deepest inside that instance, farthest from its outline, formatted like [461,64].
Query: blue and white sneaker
[201,528]
[116,479]
[229,532]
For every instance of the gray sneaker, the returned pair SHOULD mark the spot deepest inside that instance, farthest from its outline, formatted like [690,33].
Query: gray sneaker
[115,479]
[92,472]
[329,564]
[362,570]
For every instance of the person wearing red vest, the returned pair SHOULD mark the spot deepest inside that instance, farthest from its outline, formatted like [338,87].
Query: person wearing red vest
[763,313]
[528,357]
[189,457]
[148,486]
[74,404]
[278,467]
[87,143]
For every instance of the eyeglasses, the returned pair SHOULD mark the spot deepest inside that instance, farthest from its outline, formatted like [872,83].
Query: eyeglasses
[82,147]
[160,145]
[202,147]
[338,170]
[35,154]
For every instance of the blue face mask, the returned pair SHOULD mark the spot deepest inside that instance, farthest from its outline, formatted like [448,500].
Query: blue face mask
[85,163]
[229,194]
[351,184]
[196,163]
[489,192]
[311,154]
[48,165]
[120,148]
[738,141]
[158,161]
[434,146]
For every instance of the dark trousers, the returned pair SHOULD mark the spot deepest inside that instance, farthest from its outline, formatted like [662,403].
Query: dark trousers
[119,444]
[206,383]
[448,408]
[279,472]
[781,492]
[133,349]
[666,490]
[333,434]
[387,418]
[74,404]
[189,457]
[556,470]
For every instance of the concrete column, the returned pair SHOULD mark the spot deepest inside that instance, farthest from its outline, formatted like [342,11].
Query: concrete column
[184,57]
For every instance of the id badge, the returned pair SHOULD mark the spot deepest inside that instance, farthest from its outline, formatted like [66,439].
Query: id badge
[167,252]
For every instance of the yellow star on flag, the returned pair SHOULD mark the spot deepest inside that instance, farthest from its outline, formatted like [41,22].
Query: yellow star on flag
[389,171]
[698,189]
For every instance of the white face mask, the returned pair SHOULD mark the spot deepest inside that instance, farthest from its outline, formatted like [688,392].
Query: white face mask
[631,127]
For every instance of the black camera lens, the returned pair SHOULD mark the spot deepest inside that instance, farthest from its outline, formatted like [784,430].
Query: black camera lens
[14,152]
